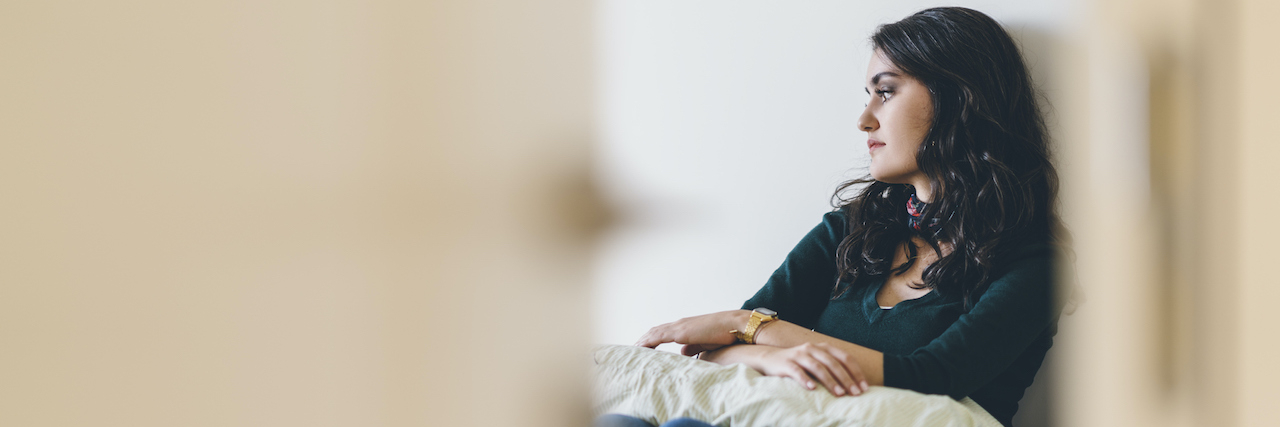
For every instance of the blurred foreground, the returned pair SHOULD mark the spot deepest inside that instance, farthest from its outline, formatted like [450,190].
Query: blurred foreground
[382,213]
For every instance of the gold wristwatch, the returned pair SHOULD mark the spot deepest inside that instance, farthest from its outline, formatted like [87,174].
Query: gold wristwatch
[759,317]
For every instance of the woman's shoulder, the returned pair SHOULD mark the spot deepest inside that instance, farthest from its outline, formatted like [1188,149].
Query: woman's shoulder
[842,213]
[1037,251]
[1030,264]
[833,228]
[836,222]
[835,217]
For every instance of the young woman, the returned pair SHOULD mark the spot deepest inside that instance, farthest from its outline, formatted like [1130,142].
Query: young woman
[937,274]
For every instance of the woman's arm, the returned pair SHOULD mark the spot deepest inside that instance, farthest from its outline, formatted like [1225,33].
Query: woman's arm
[809,364]
[698,333]
[786,334]
[783,349]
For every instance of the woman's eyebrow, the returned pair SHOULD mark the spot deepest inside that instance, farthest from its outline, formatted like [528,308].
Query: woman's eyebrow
[876,79]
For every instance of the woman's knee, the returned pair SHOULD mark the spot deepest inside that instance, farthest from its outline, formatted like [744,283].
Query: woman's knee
[619,420]
[686,422]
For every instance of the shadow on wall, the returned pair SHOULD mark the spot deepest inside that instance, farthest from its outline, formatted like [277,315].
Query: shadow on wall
[1041,51]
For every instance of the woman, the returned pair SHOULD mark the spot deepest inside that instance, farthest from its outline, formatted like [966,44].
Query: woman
[937,274]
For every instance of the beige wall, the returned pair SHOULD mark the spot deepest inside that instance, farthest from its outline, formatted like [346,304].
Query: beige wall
[1169,185]
[1259,370]
[293,212]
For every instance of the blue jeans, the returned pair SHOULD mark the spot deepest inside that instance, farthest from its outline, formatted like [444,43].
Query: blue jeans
[616,420]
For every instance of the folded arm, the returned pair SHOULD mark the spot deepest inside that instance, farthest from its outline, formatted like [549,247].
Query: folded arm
[782,349]
[785,349]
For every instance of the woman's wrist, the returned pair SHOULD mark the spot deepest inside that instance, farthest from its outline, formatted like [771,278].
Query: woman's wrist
[738,320]
[760,331]
[737,353]
[713,355]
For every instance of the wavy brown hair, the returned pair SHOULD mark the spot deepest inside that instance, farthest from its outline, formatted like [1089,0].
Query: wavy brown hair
[986,155]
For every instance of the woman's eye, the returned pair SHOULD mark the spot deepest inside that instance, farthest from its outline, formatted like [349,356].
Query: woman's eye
[884,94]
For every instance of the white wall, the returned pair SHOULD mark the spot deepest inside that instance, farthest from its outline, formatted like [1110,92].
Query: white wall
[725,127]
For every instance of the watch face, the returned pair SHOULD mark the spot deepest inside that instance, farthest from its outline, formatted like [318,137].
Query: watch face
[767,312]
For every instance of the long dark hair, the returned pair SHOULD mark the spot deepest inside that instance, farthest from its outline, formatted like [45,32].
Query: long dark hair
[986,155]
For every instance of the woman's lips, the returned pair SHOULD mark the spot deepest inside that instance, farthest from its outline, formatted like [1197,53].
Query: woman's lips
[872,145]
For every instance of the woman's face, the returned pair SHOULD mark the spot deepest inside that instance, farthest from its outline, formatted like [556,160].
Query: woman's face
[896,120]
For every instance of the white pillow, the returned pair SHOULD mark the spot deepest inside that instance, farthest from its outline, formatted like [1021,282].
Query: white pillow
[657,386]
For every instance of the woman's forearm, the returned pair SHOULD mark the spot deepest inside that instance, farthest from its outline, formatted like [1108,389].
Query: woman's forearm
[786,334]
[711,331]
[809,363]
[746,354]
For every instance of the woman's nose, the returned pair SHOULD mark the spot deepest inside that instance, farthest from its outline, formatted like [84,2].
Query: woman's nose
[867,122]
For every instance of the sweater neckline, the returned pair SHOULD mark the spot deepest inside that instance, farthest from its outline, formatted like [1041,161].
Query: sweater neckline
[872,309]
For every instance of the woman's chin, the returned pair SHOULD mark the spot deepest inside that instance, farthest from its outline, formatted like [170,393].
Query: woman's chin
[887,179]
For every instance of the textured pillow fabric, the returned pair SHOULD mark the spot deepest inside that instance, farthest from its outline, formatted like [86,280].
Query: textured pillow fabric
[657,386]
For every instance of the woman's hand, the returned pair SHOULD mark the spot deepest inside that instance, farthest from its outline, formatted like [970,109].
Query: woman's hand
[698,333]
[811,363]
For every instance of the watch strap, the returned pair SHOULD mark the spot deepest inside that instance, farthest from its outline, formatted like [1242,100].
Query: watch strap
[754,323]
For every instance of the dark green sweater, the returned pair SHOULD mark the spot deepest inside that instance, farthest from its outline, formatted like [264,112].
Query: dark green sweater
[930,345]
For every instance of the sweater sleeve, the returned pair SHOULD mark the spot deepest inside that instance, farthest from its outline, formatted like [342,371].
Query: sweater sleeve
[1013,312]
[800,289]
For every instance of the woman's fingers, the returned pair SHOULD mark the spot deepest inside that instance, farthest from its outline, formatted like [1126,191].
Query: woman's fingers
[780,362]
[693,349]
[819,371]
[708,330]
[812,364]
[799,374]
[657,335]
[690,349]
[846,374]
[652,342]
[851,366]
[856,371]
[838,371]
